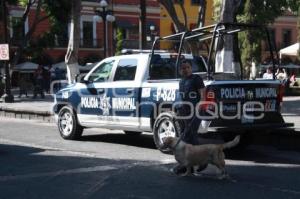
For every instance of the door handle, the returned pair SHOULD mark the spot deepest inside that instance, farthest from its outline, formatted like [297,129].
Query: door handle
[129,90]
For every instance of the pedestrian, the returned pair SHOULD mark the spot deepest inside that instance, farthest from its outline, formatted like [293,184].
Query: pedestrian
[191,90]
[47,78]
[22,86]
[268,74]
[39,82]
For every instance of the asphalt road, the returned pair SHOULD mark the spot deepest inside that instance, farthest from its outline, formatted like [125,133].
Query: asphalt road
[36,163]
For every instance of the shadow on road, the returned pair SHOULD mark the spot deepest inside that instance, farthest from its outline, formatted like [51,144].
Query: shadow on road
[143,140]
[255,153]
[28,172]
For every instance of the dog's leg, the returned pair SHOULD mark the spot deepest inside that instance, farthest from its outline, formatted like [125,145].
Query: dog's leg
[188,171]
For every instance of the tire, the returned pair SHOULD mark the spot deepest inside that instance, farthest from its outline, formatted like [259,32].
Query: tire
[68,125]
[165,125]
[132,133]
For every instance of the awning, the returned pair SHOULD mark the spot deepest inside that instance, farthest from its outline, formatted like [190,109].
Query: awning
[290,50]
[26,66]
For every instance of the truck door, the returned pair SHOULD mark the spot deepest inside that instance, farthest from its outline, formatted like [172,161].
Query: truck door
[95,106]
[124,94]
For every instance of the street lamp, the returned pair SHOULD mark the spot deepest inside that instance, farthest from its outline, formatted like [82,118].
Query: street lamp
[104,15]
[152,29]
[8,97]
[152,35]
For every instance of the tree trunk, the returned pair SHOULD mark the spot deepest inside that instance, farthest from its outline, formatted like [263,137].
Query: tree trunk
[202,12]
[26,37]
[299,32]
[227,55]
[71,57]
[169,6]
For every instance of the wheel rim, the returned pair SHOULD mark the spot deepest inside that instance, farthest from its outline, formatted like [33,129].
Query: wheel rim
[166,129]
[66,123]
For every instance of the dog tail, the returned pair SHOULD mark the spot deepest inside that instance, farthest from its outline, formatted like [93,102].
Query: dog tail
[232,143]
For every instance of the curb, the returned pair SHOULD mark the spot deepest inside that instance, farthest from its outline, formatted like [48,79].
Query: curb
[45,116]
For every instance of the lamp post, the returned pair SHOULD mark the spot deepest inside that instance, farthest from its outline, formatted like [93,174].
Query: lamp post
[8,97]
[104,15]
[152,29]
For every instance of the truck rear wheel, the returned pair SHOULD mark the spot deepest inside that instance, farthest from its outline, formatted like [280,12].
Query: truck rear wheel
[68,125]
[165,125]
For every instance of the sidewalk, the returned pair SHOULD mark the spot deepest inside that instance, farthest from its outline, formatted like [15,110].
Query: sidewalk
[27,107]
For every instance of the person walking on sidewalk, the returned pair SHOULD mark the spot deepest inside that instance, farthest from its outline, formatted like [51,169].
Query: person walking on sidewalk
[23,86]
[39,82]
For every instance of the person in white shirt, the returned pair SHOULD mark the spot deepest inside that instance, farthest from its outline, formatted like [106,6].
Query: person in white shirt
[268,74]
[281,74]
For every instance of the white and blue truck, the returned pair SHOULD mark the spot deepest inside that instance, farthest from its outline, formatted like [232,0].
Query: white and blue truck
[139,92]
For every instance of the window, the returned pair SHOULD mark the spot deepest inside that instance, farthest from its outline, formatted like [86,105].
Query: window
[126,70]
[17,29]
[87,27]
[286,37]
[102,73]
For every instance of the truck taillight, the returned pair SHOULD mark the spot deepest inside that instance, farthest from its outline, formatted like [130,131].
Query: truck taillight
[209,99]
[210,95]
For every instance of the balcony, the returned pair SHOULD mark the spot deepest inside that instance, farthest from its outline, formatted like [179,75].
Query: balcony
[60,43]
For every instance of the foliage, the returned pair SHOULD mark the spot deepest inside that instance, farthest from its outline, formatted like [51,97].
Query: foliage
[299,32]
[119,41]
[217,9]
[44,10]
[257,12]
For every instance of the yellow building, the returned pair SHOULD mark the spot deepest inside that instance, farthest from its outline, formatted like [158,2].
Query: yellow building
[192,10]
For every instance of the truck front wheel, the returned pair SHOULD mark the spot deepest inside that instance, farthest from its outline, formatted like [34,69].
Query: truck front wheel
[67,123]
[164,126]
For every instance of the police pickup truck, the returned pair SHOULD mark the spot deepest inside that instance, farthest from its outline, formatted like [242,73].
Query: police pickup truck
[139,93]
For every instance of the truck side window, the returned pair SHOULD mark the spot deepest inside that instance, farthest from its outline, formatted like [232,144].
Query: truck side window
[126,70]
[198,64]
[102,73]
[162,69]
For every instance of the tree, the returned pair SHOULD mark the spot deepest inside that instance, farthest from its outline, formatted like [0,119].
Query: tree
[71,57]
[299,32]
[202,11]
[26,37]
[119,41]
[227,58]
[44,10]
[169,6]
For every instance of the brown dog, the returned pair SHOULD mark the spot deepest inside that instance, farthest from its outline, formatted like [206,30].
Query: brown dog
[188,155]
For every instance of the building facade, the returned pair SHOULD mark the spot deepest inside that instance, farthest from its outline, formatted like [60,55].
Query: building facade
[127,15]
[192,10]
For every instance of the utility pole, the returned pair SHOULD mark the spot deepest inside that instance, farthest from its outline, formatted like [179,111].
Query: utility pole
[142,25]
[8,97]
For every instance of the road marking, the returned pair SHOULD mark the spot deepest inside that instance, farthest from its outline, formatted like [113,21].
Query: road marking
[250,163]
[12,142]
[61,172]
